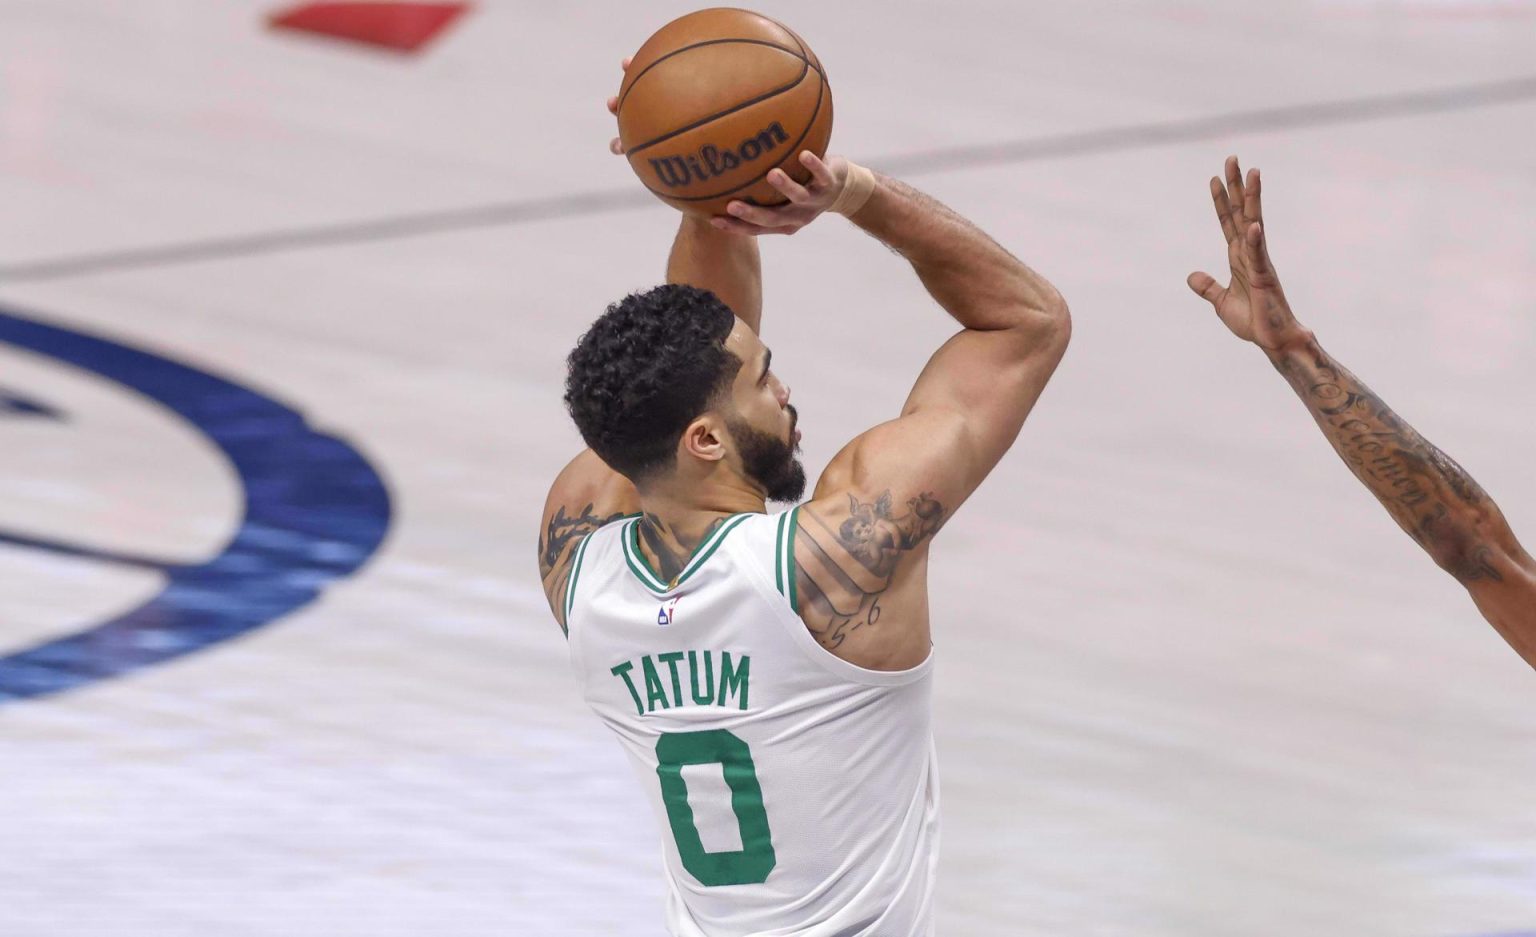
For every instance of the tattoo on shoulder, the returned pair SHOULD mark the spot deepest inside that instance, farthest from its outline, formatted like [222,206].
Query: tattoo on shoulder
[563,530]
[849,560]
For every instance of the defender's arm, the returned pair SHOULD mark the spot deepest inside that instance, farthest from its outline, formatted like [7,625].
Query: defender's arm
[1432,499]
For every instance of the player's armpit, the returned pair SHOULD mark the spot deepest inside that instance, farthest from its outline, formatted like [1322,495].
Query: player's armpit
[586,495]
[861,543]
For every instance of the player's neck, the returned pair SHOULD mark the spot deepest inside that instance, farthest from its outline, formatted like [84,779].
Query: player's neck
[679,514]
[711,491]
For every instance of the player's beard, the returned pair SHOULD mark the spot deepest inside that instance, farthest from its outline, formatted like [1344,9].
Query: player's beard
[770,461]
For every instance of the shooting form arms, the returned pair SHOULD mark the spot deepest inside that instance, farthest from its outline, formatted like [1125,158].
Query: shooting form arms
[861,546]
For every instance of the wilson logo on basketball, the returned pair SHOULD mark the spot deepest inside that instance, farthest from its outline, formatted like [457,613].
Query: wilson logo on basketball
[711,161]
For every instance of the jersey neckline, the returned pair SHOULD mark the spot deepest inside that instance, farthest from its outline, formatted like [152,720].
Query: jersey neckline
[641,567]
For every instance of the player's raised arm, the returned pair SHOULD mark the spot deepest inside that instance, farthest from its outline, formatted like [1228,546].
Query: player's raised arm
[1431,497]
[587,493]
[726,264]
[710,254]
[861,546]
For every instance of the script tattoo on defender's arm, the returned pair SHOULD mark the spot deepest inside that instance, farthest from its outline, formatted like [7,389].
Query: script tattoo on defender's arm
[849,560]
[555,543]
[1431,497]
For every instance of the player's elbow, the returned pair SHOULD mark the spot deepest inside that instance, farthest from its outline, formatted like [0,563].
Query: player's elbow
[1060,318]
[1047,325]
[1474,547]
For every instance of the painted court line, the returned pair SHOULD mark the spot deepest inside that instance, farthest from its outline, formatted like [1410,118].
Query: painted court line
[608,201]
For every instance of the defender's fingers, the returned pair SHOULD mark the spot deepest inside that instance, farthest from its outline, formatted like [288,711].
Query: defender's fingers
[1205,286]
[792,190]
[1253,204]
[1235,189]
[613,104]
[624,62]
[615,147]
[821,173]
[1223,209]
[1256,251]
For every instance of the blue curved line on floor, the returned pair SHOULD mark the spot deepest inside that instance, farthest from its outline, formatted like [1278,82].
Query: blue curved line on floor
[315,511]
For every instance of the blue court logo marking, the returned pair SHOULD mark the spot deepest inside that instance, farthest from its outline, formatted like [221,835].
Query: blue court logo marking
[315,511]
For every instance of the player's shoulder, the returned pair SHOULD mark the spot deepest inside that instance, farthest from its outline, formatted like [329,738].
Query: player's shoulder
[586,496]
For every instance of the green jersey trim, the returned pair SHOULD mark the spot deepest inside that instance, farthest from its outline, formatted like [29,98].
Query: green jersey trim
[570,585]
[652,580]
[790,578]
[784,557]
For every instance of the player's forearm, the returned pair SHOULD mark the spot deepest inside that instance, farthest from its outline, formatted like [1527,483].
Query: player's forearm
[726,264]
[978,282]
[1431,497]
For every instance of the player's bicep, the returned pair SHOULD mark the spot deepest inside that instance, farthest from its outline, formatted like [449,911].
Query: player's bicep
[926,457]
[991,380]
[586,495]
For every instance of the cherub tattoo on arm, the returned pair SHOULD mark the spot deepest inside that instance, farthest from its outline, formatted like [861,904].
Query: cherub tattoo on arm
[849,560]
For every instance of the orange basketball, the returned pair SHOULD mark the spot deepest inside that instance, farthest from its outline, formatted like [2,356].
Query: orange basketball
[716,99]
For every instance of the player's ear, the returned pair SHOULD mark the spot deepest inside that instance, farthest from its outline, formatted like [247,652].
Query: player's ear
[704,439]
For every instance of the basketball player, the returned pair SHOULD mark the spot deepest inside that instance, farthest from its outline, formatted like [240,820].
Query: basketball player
[770,676]
[1431,497]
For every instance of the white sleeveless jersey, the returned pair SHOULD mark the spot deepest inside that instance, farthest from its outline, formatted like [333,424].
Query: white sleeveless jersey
[797,793]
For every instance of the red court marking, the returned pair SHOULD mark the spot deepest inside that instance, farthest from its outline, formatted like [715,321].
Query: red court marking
[402,27]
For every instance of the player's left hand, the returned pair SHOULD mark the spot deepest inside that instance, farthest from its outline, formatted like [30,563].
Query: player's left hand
[614,146]
[805,202]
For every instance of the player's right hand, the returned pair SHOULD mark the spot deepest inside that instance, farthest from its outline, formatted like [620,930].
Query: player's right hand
[804,203]
[614,146]
[1252,305]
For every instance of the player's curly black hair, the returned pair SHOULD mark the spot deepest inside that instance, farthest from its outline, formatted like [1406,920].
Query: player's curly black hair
[645,369]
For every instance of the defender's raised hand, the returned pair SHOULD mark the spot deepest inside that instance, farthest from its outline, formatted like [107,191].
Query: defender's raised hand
[1252,305]
[1430,497]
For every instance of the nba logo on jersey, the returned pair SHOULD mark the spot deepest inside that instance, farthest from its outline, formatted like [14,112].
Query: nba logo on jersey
[664,614]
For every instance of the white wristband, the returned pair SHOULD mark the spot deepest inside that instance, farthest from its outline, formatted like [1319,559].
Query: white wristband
[857,189]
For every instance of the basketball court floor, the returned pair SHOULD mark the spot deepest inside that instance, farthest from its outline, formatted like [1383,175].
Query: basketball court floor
[282,328]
